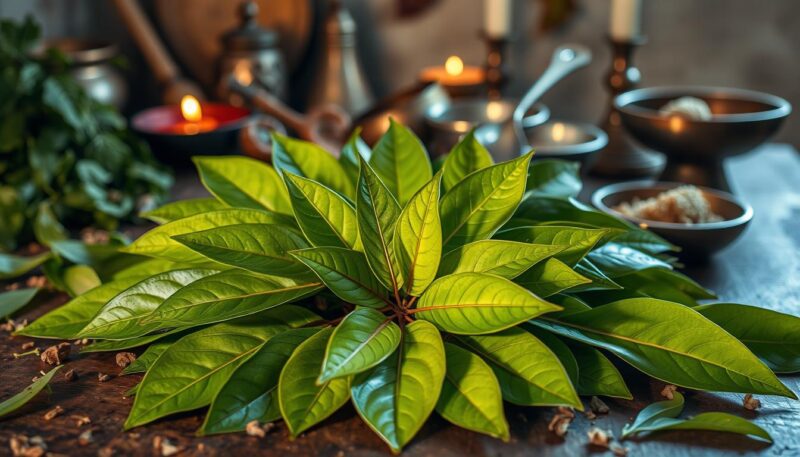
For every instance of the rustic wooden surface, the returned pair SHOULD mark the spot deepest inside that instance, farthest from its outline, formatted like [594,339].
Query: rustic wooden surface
[763,267]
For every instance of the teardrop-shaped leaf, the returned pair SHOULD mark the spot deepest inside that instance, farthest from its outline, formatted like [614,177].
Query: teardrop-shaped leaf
[310,161]
[466,157]
[477,303]
[325,217]
[479,205]
[227,295]
[579,240]
[69,319]
[121,317]
[555,178]
[774,337]
[616,260]
[666,409]
[12,301]
[528,371]
[78,279]
[152,353]
[262,248]
[402,163]
[550,277]
[243,182]
[507,259]
[560,349]
[189,373]
[119,345]
[418,238]
[362,340]
[353,152]
[713,421]
[12,266]
[377,211]
[597,375]
[471,397]
[183,208]
[251,393]
[397,396]
[159,242]
[670,342]
[346,273]
[17,401]
[303,402]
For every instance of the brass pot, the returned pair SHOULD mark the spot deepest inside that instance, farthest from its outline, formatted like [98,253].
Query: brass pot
[91,66]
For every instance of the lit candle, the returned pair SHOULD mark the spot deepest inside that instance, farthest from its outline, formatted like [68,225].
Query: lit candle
[498,18]
[193,121]
[626,19]
[454,76]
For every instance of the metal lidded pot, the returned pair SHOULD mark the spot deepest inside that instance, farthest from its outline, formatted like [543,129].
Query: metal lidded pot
[251,53]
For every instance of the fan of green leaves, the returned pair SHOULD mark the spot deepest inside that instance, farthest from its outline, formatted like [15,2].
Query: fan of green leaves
[375,279]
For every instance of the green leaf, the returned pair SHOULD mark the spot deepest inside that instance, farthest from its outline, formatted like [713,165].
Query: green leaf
[528,371]
[251,393]
[466,157]
[12,404]
[480,204]
[551,277]
[12,266]
[774,337]
[597,375]
[60,101]
[397,396]
[713,421]
[418,238]
[13,300]
[346,273]
[46,227]
[183,208]
[401,162]
[159,242]
[189,373]
[325,217]
[507,259]
[145,361]
[377,211]
[471,396]
[303,402]
[243,182]
[579,241]
[78,279]
[227,295]
[599,281]
[560,349]
[555,178]
[118,345]
[667,409]
[310,161]
[67,320]
[362,340]
[352,153]
[122,316]
[477,303]
[262,248]
[670,342]
[617,260]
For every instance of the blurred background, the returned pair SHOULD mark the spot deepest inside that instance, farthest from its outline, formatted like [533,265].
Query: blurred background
[737,43]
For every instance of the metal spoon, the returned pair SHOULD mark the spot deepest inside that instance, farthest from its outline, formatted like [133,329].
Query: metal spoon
[566,59]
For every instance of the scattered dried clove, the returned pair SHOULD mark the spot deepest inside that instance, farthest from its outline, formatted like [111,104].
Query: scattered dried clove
[70,375]
[102,377]
[50,415]
[125,358]
[85,438]
[598,406]
[560,422]
[80,421]
[668,391]
[81,342]
[22,446]
[598,437]
[28,345]
[36,281]
[751,403]
[55,355]
[253,428]
[165,446]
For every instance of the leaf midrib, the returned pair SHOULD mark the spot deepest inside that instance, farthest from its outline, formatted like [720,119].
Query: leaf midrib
[363,344]
[238,297]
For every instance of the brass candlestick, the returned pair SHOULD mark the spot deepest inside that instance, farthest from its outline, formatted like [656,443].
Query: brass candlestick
[496,71]
[622,157]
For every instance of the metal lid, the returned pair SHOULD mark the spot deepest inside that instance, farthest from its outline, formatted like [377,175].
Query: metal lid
[249,36]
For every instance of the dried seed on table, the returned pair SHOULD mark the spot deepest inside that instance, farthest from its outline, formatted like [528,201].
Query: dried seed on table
[22,446]
[36,281]
[598,437]
[598,406]
[102,377]
[85,438]
[28,345]
[668,391]
[55,355]
[751,403]
[71,375]
[124,359]
[80,421]
[254,429]
[53,413]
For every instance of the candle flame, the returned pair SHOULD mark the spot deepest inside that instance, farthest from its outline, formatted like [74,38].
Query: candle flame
[454,66]
[190,109]
[558,132]
[242,73]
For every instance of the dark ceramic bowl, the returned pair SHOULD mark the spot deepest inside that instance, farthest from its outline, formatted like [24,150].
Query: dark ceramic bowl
[697,240]
[741,121]
[565,140]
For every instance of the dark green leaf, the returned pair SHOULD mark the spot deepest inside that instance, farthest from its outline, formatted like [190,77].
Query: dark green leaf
[402,163]
[560,349]
[362,340]
[12,266]
[667,409]
[617,260]
[714,421]
[13,300]
[555,178]
[597,375]
[46,226]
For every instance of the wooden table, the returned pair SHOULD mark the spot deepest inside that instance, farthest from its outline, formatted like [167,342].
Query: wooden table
[762,267]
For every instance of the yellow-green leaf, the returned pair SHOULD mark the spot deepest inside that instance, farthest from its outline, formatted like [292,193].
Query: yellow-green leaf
[243,182]
[402,163]
[418,238]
